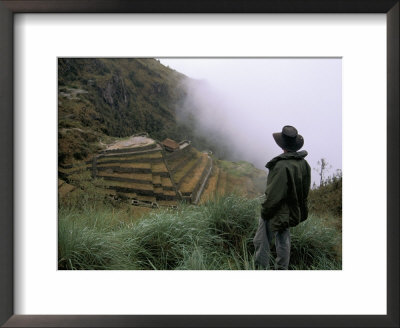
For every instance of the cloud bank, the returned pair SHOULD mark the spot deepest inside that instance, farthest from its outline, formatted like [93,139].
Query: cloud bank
[243,101]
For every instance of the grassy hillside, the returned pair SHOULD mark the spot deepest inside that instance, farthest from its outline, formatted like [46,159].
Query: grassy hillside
[103,98]
[187,175]
[326,200]
[100,99]
[96,232]
[215,236]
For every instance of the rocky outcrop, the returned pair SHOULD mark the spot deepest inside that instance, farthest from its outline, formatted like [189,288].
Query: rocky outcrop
[114,91]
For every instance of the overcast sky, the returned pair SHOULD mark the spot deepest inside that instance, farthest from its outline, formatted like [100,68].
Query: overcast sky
[261,95]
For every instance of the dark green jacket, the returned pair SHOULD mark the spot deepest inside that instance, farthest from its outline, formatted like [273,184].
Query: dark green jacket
[287,190]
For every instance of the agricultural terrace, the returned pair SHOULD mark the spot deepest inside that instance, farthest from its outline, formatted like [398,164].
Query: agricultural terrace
[141,170]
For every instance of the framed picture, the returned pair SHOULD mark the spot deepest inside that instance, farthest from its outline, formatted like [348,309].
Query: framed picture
[180,302]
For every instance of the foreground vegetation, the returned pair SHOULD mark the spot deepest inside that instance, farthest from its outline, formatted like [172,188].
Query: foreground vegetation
[326,200]
[215,236]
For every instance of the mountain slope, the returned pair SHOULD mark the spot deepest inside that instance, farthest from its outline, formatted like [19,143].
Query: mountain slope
[115,98]
[104,100]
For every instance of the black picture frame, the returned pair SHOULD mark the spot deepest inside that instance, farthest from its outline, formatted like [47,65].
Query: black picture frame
[10,7]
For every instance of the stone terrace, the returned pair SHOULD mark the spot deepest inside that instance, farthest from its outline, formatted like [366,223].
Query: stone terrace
[140,169]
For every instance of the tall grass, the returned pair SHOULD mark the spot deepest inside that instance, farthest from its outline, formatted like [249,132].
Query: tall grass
[314,246]
[215,236]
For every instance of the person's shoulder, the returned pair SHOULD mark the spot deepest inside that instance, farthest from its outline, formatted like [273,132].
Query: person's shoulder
[280,165]
[291,163]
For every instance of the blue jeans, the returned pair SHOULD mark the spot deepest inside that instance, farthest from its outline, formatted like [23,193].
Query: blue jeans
[263,241]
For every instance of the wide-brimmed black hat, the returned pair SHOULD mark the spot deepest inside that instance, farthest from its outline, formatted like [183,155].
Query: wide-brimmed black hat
[289,139]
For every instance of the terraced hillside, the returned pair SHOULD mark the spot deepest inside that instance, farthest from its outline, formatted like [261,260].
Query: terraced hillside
[190,171]
[135,169]
[141,170]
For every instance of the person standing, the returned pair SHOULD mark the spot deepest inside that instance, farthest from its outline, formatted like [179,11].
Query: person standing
[285,206]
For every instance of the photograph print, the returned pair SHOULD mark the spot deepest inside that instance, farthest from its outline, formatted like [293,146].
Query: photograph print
[199,163]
